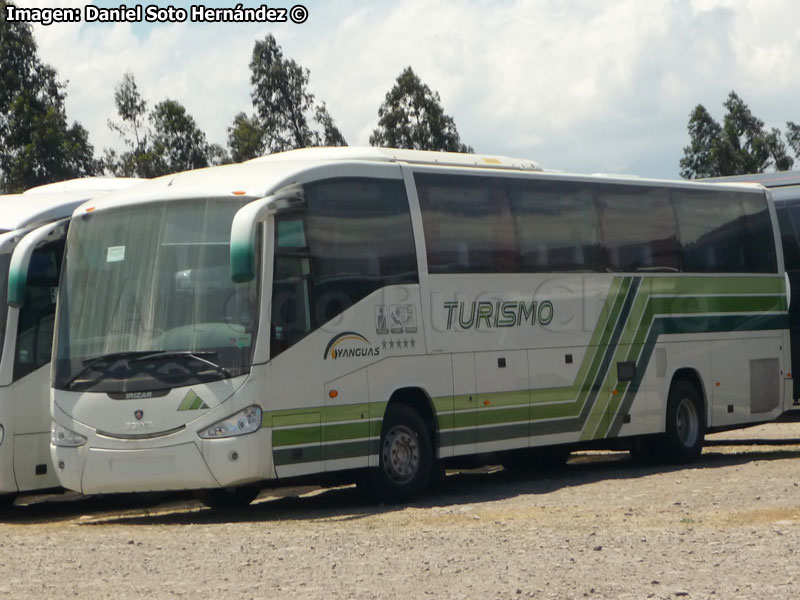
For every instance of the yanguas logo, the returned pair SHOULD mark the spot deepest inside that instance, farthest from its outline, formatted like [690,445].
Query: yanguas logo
[350,344]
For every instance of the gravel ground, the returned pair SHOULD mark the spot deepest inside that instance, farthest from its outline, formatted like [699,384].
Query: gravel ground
[601,527]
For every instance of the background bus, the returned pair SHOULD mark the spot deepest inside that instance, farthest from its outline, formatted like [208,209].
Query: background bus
[785,188]
[373,313]
[32,232]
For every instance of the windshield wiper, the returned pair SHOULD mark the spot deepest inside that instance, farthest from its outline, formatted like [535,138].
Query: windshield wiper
[112,358]
[198,356]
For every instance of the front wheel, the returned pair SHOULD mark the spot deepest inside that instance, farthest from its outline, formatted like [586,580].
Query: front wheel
[686,424]
[406,456]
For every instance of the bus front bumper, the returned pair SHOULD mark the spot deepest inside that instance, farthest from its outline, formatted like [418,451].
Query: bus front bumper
[96,469]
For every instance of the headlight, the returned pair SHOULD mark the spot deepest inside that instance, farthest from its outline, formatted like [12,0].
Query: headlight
[61,436]
[245,421]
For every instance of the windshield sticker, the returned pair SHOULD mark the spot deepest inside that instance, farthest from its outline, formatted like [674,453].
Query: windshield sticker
[115,254]
[244,340]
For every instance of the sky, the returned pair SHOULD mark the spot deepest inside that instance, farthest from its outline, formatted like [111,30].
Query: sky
[583,86]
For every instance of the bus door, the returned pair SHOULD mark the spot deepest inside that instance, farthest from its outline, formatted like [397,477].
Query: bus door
[30,389]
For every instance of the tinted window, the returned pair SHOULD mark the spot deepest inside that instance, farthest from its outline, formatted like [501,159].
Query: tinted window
[360,240]
[355,237]
[556,226]
[791,249]
[37,316]
[4,261]
[728,232]
[468,224]
[639,228]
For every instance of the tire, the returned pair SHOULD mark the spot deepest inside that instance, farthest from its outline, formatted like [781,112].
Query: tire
[7,500]
[229,497]
[685,424]
[406,456]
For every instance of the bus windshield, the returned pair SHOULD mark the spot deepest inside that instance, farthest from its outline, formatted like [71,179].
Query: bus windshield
[147,301]
[5,259]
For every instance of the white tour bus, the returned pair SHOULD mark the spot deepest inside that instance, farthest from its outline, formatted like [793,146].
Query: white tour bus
[372,313]
[32,231]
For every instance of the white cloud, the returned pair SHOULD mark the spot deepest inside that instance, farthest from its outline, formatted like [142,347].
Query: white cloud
[580,85]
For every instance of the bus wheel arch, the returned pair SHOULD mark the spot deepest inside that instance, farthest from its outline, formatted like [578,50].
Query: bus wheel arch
[418,400]
[685,419]
[406,449]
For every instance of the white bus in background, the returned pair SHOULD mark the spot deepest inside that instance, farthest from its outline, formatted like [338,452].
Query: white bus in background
[785,189]
[32,230]
[375,313]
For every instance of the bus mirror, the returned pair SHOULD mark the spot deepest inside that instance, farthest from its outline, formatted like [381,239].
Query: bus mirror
[243,229]
[21,258]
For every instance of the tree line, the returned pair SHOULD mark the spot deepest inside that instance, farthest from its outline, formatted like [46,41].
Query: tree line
[39,145]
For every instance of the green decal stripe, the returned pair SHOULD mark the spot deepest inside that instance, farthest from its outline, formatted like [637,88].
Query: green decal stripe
[505,415]
[497,399]
[623,332]
[665,325]
[306,454]
[296,456]
[288,419]
[465,419]
[716,304]
[458,438]
[709,284]
[345,431]
[506,432]
[600,425]
[298,435]
[591,411]
[593,380]
[552,395]
[325,414]
[327,433]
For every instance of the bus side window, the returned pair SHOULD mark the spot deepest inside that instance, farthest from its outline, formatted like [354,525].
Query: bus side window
[724,232]
[468,224]
[291,301]
[360,240]
[791,247]
[37,316]
[640,232]
[557,226]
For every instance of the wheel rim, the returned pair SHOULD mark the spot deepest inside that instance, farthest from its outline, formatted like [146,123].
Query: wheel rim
[687,423]
[401,455]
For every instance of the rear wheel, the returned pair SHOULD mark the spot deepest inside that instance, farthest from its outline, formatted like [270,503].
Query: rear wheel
[686,424]
[406,456]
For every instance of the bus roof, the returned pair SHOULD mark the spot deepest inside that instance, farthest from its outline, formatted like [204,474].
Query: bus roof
[54,201]
[262,176]
[784,185]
